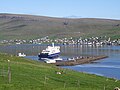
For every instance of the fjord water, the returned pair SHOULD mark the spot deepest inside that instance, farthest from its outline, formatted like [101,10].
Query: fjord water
[109,67]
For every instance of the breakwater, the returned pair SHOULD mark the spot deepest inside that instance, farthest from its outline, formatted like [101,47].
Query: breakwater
[79,60]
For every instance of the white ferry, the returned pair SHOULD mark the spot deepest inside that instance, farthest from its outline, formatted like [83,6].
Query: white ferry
[50,52]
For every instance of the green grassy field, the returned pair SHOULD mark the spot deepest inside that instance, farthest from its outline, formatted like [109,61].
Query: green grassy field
[34,75]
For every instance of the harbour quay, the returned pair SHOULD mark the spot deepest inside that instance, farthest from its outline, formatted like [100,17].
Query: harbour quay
[79,60]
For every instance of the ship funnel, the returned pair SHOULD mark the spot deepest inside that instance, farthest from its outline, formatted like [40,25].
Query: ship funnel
[53,44]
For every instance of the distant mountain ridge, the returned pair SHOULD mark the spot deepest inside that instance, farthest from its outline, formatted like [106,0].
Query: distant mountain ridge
[17,26]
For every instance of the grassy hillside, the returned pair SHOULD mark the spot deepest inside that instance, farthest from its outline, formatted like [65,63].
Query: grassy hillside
[15,26]
[33,75]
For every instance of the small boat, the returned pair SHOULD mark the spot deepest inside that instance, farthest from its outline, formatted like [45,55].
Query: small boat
[49,61]
[21,54]
[50,52]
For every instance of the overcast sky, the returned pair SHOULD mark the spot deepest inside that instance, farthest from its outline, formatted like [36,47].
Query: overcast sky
[109,9]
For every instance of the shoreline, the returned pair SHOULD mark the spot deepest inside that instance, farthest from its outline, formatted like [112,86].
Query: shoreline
[79,61]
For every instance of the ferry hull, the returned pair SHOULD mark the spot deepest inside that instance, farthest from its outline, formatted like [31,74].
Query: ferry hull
[51,56]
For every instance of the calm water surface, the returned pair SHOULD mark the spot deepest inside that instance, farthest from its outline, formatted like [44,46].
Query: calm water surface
[109,67]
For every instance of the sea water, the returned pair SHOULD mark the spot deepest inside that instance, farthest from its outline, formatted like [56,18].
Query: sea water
[109,67]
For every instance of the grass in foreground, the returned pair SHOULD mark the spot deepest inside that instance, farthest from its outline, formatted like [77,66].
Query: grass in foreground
[34,75]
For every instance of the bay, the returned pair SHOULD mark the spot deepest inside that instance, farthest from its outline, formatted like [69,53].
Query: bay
[109,67]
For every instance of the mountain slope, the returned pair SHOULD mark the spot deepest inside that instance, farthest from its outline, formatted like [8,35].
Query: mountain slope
[15,26]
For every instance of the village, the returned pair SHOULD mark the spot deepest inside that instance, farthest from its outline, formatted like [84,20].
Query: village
[96,41]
